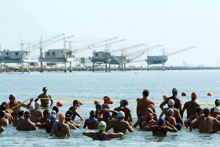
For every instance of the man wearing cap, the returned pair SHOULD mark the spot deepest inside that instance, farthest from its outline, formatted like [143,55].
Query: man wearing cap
[107,101]
[170,117]
[124,107]
[174,97]
[102,135]
[206,123]
[74,109]
[45,98]
[217,104]
[36,113]
[177,115]
[26,124]
[161,128]
[61,129]
[190,106]
[13,103]
[120,125]
[41,123]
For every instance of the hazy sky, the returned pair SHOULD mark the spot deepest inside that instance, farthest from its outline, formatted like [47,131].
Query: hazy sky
[176,24]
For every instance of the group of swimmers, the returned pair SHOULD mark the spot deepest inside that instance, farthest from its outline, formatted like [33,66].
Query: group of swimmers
[103,118]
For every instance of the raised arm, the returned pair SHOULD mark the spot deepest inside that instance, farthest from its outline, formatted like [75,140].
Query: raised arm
[162,113]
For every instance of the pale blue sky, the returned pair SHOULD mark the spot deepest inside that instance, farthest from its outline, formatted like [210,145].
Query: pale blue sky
[176,24]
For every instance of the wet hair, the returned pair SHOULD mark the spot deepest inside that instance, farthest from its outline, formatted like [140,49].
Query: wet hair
[55,108]
[20,112]
[27,114]
[3,107]
[217,102]
[75,102]
[92,113]
[206,111]
[198,109]
[11,96]
[146,92]
[2,114]
[174,91]
[46,112]
[123,102]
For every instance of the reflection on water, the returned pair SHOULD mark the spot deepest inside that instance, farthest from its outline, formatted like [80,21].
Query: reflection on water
[126,85]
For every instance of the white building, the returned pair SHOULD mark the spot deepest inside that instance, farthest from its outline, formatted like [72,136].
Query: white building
[14,56]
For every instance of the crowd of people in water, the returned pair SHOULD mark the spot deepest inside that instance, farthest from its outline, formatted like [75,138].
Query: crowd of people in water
[104,118]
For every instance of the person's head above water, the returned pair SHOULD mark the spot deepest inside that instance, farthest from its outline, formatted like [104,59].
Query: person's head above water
[12,98]
[92,113]
[56,109]
[121,114]
[145,93]
[102,126]
[217,102]
[53,118]
[97,106]
[123,102]
[46,114]
[194,96]
[37,105]
[170,111]
[171,102]
[161,121]
[206,111]
[174,92]
[149,116]
[199,110]
[44,89]
[21,113]
[61,116]
[27,114]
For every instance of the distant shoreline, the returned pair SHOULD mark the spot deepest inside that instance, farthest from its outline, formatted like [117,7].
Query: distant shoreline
[54,69]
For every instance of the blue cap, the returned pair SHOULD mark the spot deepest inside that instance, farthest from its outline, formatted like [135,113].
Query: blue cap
[178,126]
[53,118]
[106,114]
[98,106]
[161,121]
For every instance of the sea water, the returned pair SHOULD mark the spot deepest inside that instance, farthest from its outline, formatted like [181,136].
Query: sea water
[119,85]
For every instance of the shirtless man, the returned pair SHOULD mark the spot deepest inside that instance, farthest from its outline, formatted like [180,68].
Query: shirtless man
[41,123]
[107,101]
[19,118]
[61,129]
[187,122]
[217,104]
[102,135]
[45,102]
[124,107]
[177,105]
[206,123]
[143,104]
[191,106]
[3,120]
[120,125]
[26,124]
[13,104]
[36,113]
[92,122]
[177,115]
[161,128]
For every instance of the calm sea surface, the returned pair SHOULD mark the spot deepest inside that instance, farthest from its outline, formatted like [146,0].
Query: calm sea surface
[118,85]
